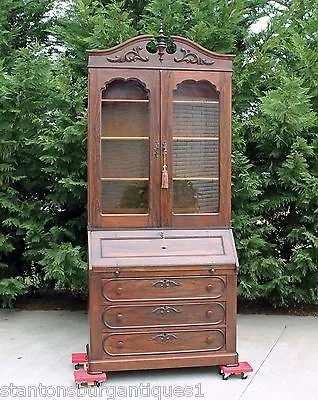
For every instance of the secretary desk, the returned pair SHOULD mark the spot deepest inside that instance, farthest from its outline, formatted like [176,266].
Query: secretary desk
[162,259]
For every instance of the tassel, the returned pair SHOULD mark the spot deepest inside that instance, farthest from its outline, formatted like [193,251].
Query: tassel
[164,178]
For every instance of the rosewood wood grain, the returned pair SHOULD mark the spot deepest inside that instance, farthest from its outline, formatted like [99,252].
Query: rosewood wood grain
[162,285]
[139,289]
[161,342]
[163,314]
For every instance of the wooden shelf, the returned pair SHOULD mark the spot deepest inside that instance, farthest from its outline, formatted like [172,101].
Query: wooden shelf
[195,102]
[124,101]
[196,138]
[124,137]
[125,179]
[195,178]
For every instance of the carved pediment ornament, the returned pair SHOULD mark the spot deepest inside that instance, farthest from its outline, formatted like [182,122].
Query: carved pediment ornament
[130,55]
[191,58]
[135,54]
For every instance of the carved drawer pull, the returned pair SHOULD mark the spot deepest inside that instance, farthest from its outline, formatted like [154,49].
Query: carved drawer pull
[209,313]
[209,287]
[165,283]
[165,310]
[164,338]
[120,345]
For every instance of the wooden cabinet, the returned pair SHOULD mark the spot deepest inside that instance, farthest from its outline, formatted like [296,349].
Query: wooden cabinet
[162,257]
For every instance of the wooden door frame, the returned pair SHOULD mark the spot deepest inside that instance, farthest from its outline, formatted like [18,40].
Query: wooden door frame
[222,83]
[98,78]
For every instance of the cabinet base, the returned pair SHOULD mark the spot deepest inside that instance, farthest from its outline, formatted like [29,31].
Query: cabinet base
[161,363]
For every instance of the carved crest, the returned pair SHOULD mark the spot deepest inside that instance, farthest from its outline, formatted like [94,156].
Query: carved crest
[191,58]
[153,52]
[132,55]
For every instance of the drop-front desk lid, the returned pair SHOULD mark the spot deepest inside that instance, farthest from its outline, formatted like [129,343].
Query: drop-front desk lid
[155,247]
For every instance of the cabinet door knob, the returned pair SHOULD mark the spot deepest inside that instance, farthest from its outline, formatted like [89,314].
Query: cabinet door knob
[120,345]
[119,290]
[209,313]
[209,340]
[119,317]
[209,287]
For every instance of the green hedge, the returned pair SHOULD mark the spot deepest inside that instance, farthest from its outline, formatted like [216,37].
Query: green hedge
[43,97]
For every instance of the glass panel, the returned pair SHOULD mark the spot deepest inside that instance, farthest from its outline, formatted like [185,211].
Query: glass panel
[195,148]
[125,159]
[198,120]
[124,148]
[125,119]
[124,197]
[125,89]
[196,158]
[195,196]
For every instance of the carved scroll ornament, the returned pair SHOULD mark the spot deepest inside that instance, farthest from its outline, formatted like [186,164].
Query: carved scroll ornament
[191,58]
[131,55]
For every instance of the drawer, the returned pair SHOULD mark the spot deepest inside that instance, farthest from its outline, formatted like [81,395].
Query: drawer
[170,314]
[147,343]
[192,287]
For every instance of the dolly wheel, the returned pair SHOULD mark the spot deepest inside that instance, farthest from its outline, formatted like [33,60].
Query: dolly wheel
[97,383]
[225,377]
[243,375]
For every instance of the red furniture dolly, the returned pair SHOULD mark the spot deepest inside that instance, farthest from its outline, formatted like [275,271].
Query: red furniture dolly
[243,368]
[82,376]
[79,360]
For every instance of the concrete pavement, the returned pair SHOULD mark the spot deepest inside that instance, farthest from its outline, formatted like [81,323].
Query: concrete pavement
[36,349]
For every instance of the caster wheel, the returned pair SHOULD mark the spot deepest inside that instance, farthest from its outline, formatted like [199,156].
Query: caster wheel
[97,383]
[243,375]
[78,385]
[76,366]
[225,377]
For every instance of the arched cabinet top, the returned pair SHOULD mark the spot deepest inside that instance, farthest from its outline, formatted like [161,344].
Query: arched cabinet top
[133,53]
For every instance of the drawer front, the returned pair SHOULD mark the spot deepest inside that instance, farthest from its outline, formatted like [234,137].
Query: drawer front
[121,289]
[144,343]
[170,314]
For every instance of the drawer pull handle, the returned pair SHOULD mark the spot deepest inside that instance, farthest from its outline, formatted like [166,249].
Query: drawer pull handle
[165,283]
[165,310]
[120,345]
[119,317]
[164,338]
[119,290]
[209,313]
[209,340]
[209,287]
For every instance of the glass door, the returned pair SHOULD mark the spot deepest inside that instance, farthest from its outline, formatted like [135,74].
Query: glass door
[126,151]
[125,170]
[194,127]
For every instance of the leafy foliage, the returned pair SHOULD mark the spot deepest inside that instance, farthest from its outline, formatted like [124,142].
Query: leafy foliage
[43,102]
